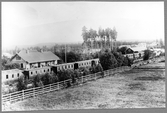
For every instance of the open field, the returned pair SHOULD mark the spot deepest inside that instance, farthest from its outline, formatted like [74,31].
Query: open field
[137,88]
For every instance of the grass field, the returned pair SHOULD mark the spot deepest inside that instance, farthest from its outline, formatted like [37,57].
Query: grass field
[137,88]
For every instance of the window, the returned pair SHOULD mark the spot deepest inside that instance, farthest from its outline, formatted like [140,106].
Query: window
[68,66]
[31,73]
[18,75]
[6,76]
[36,71]
[43,70]
[48,70]
[12,75]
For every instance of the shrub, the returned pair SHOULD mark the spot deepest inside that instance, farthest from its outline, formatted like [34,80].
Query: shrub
[84,71]
[147,54]
[107,60]
[54,78]
[119,57]
[37,81]
[45,79]
[92,69]
[125,61]
[21,84]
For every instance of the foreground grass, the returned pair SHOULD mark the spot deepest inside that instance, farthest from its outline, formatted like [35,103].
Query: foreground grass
[133,89]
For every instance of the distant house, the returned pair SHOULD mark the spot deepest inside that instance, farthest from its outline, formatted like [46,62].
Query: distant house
[33,59]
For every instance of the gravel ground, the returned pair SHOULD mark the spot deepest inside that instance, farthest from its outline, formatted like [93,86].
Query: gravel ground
[137,88]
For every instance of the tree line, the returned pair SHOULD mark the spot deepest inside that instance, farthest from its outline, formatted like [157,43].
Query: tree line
[99,39]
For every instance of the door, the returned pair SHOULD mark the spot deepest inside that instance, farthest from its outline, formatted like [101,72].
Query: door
[75,66]
[38,64]
[22,65]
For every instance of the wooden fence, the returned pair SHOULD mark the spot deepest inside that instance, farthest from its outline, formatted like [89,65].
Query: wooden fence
[33,92]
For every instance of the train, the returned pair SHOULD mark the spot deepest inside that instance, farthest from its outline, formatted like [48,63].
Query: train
[74,65]
[86,63]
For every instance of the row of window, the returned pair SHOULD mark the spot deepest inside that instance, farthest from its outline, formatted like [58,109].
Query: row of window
[41,70]
[85,63]
[7,76]
[65,67]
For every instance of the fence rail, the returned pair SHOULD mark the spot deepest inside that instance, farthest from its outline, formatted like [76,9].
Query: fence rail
[33,92]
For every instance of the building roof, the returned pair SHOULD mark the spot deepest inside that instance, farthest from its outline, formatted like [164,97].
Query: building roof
[11,71]
[35,56]
[138,48]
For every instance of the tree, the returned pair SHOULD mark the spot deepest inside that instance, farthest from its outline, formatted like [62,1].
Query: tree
[114,34]
[21,84]
[93,34]
[119,57]
[107,34]
[73,57]
[100,35]
[37,81]
[147,54]
[107,60]
[45,79]
[85,35]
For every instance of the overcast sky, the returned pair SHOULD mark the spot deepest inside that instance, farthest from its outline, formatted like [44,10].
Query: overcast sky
[25,23]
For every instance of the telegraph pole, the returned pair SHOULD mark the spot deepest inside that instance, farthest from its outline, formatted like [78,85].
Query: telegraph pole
[65,55]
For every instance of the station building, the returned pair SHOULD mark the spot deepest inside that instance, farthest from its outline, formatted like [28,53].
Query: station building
[33,59]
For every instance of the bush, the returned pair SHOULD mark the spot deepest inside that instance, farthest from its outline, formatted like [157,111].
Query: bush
[54,78]
[99,68]
[84,71]
[37,81]
[119,57]
[147,54]
[21,84]
[125,61]
[46,79]
[107,60]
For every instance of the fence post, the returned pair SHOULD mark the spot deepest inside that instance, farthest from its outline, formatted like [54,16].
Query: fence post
[82,79]
[42,89]
[58,85]
[23,94]
[10,98]
[33,92]
[64,83]
[49,87]
[95,76]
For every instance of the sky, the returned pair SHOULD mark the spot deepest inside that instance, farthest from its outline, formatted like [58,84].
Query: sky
[29,23]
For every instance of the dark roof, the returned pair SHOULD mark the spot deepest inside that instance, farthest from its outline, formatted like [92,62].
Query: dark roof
[35,56]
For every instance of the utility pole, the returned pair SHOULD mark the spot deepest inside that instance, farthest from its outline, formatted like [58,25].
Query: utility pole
[65,55]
